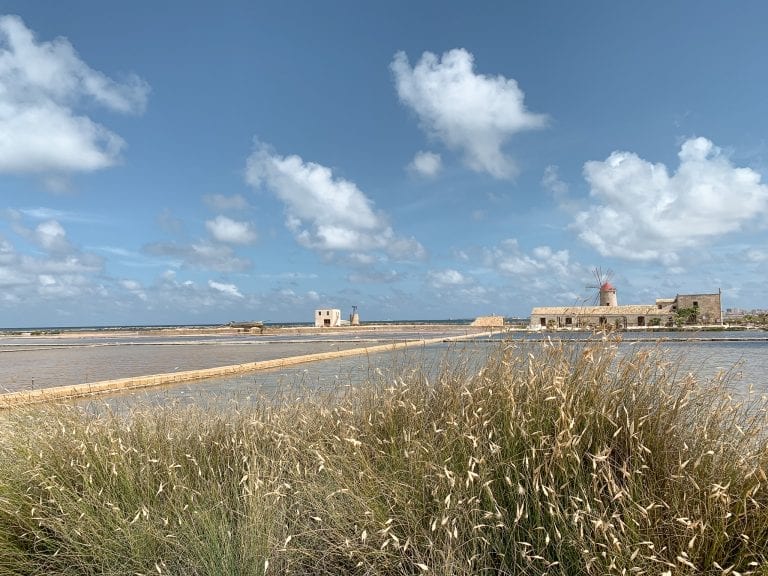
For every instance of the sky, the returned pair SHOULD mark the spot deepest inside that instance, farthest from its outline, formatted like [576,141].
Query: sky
[175,163]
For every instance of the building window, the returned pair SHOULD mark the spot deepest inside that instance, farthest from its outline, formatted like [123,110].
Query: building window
[695,304]
[568,321]
[641,320]
[543,321]
[602,321]
[319,312]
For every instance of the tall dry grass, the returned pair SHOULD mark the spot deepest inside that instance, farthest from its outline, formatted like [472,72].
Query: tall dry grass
[550,459]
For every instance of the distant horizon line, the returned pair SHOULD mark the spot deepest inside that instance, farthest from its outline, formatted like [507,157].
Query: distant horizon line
[226,324]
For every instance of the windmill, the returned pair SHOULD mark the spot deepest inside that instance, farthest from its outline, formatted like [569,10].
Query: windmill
[606,293]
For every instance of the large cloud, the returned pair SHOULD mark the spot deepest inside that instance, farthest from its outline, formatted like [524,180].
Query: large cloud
[469,112]
[40,85]
[643,213]
[325,212]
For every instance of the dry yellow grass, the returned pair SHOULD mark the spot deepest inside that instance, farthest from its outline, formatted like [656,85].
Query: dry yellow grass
[549,459]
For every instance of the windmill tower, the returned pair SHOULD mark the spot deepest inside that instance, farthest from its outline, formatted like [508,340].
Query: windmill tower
[354,318]
[606,293]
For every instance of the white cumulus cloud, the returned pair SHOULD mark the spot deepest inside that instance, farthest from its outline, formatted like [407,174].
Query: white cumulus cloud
[641,212]
[52,237]
[543,263]
[446,278]
[62,271]
[472,113]
[228,289]
[326,212]
[41,84]
[231,231]
[426,164]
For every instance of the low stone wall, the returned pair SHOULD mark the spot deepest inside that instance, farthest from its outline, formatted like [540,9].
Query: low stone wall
[489,322]
[22,398]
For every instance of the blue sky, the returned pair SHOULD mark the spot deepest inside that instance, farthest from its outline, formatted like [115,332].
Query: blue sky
[174,163]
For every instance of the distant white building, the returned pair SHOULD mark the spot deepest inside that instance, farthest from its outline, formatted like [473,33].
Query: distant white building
[328,317]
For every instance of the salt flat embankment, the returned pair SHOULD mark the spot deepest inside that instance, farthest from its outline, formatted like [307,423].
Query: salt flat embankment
[24,397]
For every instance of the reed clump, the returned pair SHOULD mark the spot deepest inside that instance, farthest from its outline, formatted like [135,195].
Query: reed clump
[547,459]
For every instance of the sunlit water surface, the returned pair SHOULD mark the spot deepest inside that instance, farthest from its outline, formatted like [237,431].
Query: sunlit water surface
[744,360]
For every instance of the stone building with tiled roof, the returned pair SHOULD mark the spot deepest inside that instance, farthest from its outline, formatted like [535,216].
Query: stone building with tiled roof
[699,309]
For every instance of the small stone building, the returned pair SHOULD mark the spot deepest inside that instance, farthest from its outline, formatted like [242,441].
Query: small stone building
[705,308]
[489,322]
[328,317]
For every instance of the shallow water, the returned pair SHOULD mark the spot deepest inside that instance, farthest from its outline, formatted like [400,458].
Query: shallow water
[43,362]
[28,363]
[745,362]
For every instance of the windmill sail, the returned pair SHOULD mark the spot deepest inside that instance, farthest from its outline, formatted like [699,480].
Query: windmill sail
[605,294]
